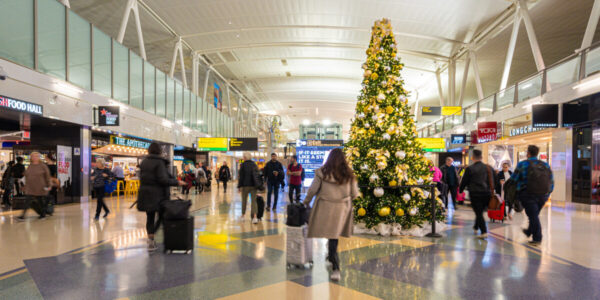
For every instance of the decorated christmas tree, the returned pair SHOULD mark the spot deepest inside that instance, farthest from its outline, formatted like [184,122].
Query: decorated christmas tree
[383,147]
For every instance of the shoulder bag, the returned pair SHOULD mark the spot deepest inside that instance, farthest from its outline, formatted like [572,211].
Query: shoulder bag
[495,202]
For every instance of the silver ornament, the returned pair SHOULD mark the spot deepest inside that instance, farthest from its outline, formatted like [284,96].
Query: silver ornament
[400,122]
[406,197]
[374,177]
[402,98]
[420,182]
[367,125]
[413,211]
[378,192]
[400,154]
[381,165]
[381,97]
[426,194]
[376,108]
[364,167]
[374,117]
[387,68]
[409,142]
[361,116]
[386,136]
[383,83]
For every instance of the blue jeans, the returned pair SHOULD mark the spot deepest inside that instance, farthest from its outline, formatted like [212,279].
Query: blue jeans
[273,187]
[295,188]
[533,205]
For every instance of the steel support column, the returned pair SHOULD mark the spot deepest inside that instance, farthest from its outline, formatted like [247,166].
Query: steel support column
[195,73]
[438,78]
[591,25]
[535,47]
[451,81]
[473,57]
[511,49]
[132,5]
[206,85]
[464,80]
[178,50]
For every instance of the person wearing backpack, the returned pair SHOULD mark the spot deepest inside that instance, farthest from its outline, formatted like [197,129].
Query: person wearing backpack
[534,184]
[295,172]
[249,181]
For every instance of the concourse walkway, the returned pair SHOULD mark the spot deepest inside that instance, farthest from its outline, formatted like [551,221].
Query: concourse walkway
[68,256]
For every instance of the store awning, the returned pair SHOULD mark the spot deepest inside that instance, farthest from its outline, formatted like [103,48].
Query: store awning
[120,150]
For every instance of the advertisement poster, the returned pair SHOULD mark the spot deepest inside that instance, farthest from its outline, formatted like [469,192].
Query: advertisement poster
[500,154]
[64,165]
[108,115]
[312,158]
[218,96]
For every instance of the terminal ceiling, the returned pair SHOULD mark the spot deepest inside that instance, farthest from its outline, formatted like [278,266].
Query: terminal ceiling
[301,58]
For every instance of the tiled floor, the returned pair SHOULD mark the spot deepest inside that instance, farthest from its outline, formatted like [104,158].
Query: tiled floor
[68,256]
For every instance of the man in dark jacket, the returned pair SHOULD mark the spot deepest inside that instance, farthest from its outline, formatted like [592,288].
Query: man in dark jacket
[18,171]
[450,178]
[248,181]
[224,175]
[7,183]
[477,181]
[155,183]
[273,174]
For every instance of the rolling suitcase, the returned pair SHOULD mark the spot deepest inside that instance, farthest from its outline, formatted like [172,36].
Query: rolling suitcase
[497,214]
[260,203]
[179,235]
[177,209]
[298,247]
[18,202]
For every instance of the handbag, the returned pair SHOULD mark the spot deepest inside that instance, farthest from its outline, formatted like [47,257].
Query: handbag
[495,203]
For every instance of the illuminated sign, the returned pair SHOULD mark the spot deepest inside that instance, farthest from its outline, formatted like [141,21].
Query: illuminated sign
[451,111]
[312,154]
[320,143]
[178,157]
[432,144]
[20,105]
[108,115]
[523,130]
[441,111]
[458,139]
[544,116]
[487,132]
[121,141]
[431,111]
[212,144]
[243,144]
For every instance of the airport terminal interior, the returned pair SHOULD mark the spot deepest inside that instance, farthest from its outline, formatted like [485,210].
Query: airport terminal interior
[299,149]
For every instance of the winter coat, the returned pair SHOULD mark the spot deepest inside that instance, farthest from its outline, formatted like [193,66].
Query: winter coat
[99,181]
[331,215]
[476,180]
[18,171]
[37,180]
[248,175]
[224,173]
[274,166]
[437,174]
[154,183]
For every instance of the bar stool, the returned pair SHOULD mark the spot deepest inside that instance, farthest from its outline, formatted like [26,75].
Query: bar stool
[120,188]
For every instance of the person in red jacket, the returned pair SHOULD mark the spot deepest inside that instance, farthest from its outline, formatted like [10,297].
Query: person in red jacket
[295,172]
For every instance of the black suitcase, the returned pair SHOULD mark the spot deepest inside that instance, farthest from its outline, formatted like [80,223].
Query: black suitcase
[260,202]
[297,214]
[176,209]
[18,202]
[179,235]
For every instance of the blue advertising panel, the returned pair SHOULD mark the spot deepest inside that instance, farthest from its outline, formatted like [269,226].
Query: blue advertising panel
[313,157]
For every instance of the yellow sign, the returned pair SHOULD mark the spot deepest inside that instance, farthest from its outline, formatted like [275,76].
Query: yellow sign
[212,144]
[432,144]
[451,111]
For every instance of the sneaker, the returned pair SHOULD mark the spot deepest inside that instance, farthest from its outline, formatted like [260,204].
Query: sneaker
[106,214]
[268,209]
[254,221]
[482,236]
[152,245]
[42,218]
[526,233]
[534,243]
[335,275]
[96,218]
[21,219]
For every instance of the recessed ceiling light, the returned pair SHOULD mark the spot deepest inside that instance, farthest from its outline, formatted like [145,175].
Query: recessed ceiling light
[306,122]
[326,122]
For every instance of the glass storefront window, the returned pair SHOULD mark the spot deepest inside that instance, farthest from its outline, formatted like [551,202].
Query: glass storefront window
[136,77]
[149,85]
[17,40]
[160,94]
[530,88]
[51,38]
[582,164]
[102,72]
[171,99]
[564,73]
[80,64]
[120,72]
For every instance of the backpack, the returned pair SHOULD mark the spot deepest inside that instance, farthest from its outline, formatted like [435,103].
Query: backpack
[302,175]
[538,178]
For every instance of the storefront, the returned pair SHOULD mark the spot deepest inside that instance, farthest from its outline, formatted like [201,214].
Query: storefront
[117,149]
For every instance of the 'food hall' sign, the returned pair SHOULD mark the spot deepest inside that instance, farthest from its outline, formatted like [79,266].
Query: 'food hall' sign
[20,105]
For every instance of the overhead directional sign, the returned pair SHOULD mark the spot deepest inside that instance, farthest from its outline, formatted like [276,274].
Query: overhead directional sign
[432,144]
[243,144]
[441,111]
[212,144]
[431,111]
[451,111]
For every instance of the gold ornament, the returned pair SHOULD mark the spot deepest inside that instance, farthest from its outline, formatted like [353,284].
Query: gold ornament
[374,76]
[384,211]
[393,183]
[361,212]
[389,110]
[399,212]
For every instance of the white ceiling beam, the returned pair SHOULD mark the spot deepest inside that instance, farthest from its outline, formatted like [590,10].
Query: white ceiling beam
[246,79]
[463,86]
[433,56]
[178,51]
[478,85]
[343,28]
[132,6]
[438,79]
[65,3]
[535,47]
[451,82]
[195,74]
[511,49]
[591,26]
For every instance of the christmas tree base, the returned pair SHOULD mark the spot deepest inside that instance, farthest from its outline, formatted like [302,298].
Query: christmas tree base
[397,230]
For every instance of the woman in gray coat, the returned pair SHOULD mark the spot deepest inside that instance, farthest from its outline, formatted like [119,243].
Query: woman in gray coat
[335,187]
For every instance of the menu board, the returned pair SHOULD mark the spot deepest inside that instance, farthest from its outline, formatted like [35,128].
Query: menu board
[212,144]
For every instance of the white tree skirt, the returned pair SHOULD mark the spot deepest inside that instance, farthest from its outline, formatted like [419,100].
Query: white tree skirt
[396,229]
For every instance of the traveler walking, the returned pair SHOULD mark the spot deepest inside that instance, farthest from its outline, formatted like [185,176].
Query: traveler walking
[502,177]
[100,175]
[437,180]
[335,187]
[18,171]
[155,183]
[272,173]
[7,183]
[188,177]
[477,179]
[224,175]
[248,182]
[37,185]
[535,182]
[295,173]
[200,178]
[451,179]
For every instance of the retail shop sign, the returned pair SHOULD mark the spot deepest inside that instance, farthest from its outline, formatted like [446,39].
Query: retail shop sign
[213,144]
[108,115]
[22,106]
[432,144]
[319,143]
[487,132]
[243,144]
[525,129]
[121,141]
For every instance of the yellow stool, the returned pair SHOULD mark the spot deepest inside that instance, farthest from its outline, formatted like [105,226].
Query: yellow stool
[120,187]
